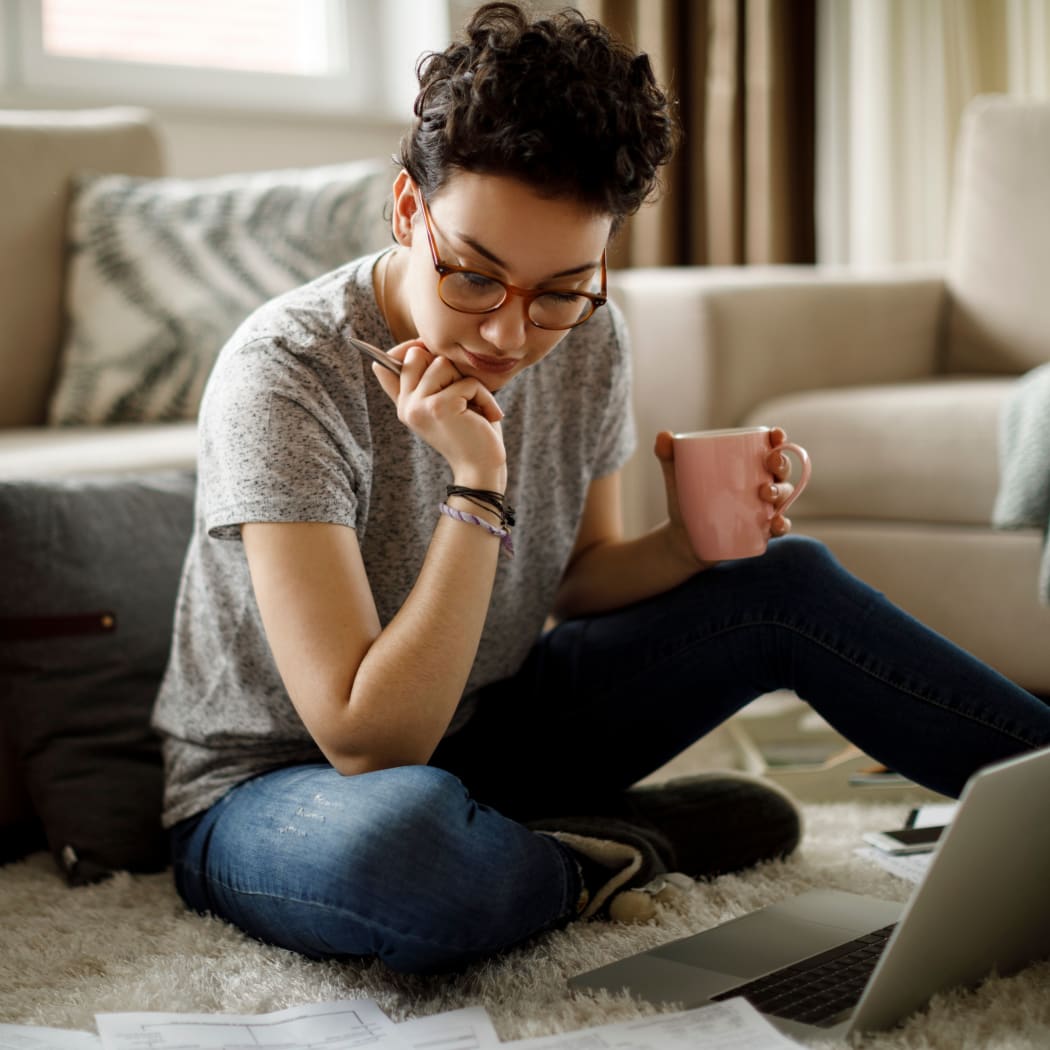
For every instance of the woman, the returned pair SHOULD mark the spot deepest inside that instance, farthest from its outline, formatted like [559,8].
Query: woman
[372,745]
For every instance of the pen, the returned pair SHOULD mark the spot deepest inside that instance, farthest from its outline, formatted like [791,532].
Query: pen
[377,355]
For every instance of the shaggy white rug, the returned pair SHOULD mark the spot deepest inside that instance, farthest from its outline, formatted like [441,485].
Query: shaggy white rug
[129,945]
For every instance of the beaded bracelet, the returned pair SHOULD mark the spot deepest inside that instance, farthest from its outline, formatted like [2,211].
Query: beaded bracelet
[472,519]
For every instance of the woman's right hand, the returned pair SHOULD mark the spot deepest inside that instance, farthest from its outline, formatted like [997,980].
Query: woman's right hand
[455,414]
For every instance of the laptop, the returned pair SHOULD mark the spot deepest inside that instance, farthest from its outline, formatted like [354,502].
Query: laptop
[981,906]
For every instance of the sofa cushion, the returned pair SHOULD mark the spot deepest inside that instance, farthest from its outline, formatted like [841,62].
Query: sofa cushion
[1000,246]
[124,448]
[91,570]
[910,452]
[163,270]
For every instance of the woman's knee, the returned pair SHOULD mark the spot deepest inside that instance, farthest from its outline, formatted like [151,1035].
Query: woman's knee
[800,565]
[804,552]
[346,866]
[805,568]
[394,814]
[793,565]
[437,880]
[324,832]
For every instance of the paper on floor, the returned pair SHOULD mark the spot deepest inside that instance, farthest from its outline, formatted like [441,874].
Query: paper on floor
[30,1037]
[360,1024]
[348,1025]
[731,1025]
[469,1028]
[910,866]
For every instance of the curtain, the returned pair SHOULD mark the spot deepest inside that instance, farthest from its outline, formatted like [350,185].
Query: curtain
[741,189]
[893,79]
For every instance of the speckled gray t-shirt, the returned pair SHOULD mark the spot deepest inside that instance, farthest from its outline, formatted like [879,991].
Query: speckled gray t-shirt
[294,427]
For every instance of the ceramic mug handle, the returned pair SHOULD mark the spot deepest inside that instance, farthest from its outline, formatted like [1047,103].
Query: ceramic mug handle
[807,469]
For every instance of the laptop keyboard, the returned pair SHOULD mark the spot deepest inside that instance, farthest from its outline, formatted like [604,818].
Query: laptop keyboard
[819,989]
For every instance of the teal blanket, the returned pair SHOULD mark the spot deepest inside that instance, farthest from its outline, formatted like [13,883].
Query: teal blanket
[1023,498]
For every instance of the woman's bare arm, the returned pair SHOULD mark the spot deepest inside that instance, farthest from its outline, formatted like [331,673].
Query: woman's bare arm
[370,698]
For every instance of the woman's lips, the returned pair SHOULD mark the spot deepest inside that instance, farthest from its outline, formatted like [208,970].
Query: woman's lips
[497,365]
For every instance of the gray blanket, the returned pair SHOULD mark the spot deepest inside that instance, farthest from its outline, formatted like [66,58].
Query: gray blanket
[1023,499]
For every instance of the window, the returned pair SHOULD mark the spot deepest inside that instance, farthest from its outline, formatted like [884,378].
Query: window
[267,36]
[339,56]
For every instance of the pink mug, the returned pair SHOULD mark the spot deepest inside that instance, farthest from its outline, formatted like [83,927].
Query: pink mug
[719,474]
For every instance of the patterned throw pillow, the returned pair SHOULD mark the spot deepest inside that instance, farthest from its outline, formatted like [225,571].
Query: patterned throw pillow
[163,270]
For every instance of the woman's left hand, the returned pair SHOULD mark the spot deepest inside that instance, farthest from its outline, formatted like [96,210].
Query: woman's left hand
[776,492]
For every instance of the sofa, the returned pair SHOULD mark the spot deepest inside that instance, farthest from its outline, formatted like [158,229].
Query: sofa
[894,381]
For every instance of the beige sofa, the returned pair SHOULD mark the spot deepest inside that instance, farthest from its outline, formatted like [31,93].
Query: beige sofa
[894,381]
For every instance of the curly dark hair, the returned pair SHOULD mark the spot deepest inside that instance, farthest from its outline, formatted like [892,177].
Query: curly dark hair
[554,101]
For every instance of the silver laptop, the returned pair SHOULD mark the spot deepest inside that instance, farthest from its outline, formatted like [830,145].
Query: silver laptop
[982,905]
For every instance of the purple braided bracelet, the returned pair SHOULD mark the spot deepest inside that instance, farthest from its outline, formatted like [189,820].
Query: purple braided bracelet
[472,519]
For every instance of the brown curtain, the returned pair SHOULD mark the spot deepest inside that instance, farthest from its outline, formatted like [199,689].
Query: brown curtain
[741,187]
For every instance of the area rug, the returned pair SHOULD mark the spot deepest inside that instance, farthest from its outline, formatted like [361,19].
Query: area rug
[130,945]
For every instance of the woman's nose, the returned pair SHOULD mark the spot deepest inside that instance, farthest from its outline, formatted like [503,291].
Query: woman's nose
[506,328]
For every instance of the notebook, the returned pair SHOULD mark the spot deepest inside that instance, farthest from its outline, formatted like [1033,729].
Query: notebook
[982,906]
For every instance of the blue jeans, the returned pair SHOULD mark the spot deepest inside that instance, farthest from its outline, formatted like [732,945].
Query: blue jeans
[429,867]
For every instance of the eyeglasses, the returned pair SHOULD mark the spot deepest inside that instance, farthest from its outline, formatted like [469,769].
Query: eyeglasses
[473,292]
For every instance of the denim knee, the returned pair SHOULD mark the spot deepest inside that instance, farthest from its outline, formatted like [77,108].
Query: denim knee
[440,879]
[794,571]
[406,814]
[802,554]
[401,864]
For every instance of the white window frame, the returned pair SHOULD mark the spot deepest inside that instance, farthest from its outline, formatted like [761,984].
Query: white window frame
[376,82]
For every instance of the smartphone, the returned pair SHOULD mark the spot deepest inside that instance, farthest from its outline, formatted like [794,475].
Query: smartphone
[905,840]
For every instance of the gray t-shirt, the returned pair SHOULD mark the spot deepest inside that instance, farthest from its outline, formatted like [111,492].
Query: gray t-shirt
[294,427]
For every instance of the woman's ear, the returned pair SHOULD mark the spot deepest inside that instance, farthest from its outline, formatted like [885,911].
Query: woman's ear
[405,205]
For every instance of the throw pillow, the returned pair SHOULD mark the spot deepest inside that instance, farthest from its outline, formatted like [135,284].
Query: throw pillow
[91,570]
[163,270]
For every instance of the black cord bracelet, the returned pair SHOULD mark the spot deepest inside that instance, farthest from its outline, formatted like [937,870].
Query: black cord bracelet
[487,499]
